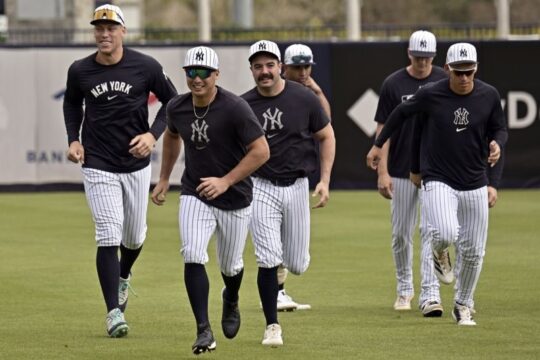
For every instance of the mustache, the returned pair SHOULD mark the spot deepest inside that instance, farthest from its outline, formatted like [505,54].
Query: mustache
[265,76]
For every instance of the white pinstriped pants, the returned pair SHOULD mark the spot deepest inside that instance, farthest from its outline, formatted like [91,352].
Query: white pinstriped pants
[118,202]
[460,218]
[280,224]
[198,222]
[404,208]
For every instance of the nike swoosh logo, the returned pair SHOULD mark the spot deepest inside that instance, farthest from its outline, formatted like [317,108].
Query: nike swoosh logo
[461,129]
[111,97]
[271,136]
[200,147]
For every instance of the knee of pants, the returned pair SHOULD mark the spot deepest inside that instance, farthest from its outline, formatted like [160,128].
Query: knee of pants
[191,256]
[445,233]
[108,234]
[232,271]
[298,268]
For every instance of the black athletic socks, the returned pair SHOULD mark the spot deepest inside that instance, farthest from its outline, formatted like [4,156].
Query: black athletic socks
[108,270]
[197,287]
[232,286]
[127,259]
[268,290]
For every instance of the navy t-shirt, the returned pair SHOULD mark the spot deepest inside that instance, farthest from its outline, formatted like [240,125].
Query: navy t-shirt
[455,132]
[115,108]
[397,88]
[215,144]
[289,121]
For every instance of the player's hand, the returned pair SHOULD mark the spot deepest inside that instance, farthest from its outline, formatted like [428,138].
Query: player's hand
[141,145]
[321,190]
[75,152]
[373,157]
[416,179]
[385,186]
[312,85]
[159,193]
[211,187]
[492,196]
[494,153]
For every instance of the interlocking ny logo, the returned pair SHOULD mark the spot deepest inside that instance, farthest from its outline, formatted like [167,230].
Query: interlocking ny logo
[463,53]
[423,44]
[199,56]
[262,46]
[272,121]
[198,132]
[461,116]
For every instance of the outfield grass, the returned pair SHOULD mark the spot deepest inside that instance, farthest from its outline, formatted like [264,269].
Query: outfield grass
[51,305]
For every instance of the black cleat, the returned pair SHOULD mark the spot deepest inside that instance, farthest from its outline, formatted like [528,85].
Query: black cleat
[432,309]
[205,340]
[230,317]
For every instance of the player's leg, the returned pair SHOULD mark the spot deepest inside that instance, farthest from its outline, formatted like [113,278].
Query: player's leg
[231,235]
[430,297]
[404,212]
[197,224]
[441,206]
[473,216]
[135,188]
[295,232]
[104,195]
[265,227]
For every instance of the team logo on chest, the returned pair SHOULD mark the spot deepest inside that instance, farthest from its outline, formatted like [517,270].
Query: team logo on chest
[272,122]
[199,136]
[461,119]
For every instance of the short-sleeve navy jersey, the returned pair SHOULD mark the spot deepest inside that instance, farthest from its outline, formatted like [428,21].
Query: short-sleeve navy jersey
[215,144]
[115,107]
[456,132]
[289,120]
[396,88]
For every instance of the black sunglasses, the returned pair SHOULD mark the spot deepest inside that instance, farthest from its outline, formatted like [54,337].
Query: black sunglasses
[203,73]
[467,73]
[301,59]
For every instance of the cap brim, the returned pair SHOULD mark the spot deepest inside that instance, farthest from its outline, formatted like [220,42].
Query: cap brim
[199,66]
[301,64]
[472,66]
[263,52]
[426,54]
[94,22]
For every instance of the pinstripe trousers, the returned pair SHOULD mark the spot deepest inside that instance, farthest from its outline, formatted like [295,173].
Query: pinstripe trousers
[119,203]
[459,218]
[199,221]
[404,208]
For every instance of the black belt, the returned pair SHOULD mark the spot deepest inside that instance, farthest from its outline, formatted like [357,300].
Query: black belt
[282,182]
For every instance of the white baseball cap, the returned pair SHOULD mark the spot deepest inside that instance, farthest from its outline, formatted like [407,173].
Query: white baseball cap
[108,12]
[422,44]
[298,54]
[264,46]
[201,56]
[462,53]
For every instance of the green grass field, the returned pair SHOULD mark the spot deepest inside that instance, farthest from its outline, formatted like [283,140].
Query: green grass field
[51,305]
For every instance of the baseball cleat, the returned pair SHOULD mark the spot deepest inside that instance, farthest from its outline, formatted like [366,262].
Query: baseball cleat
[230,317]
[205,340]
[285,302]
[272,336]
[443,267]
[432,309]
[403,303]
[463,315]
[123,292]
[116,324]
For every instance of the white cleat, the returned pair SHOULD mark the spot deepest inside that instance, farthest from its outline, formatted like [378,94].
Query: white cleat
[403,303]
[443,267]
[272,336]
[285,302]
[463,315]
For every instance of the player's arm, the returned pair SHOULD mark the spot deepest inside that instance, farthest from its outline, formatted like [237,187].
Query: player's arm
[415,176]
[327,149]
[494,174]
[73,117]
[172,144]
[497,132]
[257,154]
[384,181]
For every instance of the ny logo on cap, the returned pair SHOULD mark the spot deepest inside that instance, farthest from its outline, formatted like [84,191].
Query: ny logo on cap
[199,56]
[262,46]
[463,53]
[423,43]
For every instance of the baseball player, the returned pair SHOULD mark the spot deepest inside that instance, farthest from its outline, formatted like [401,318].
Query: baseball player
[393,177]
[114,83]
[224,144]
[297,66]
[461,131]
[291,117]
